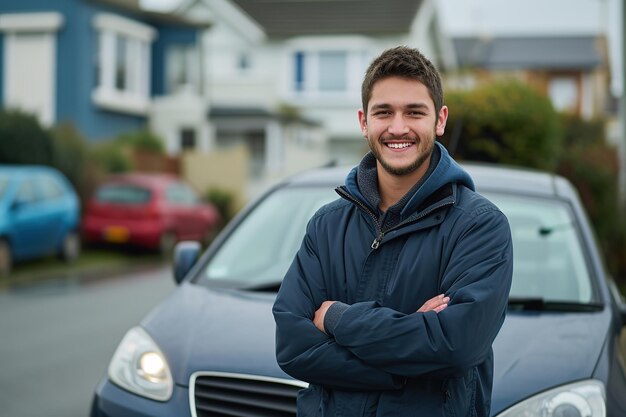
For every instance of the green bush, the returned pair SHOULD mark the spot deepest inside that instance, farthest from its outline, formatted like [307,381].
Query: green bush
[23,140]
[224,202]
[592,166]
[111,158]
[506,122]
[70,154]
[142,140]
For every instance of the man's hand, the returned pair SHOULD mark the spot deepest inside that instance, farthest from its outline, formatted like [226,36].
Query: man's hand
[318,320]
[436,304]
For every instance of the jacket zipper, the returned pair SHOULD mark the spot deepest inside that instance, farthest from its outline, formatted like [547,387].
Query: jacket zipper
[381,233]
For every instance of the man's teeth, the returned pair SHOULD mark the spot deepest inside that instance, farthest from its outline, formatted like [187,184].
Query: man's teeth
[398,145]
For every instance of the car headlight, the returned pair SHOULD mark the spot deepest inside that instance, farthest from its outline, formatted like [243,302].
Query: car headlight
[581,399]
[139,366]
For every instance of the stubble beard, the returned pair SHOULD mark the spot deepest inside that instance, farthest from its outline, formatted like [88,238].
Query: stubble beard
[408,169]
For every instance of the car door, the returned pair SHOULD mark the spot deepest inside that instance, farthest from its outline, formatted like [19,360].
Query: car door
[28,226]
[53,209]
[182,202]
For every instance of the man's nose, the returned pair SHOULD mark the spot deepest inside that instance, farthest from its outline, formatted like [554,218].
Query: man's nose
[398,126]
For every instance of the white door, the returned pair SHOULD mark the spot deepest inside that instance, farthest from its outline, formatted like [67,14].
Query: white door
[30,73]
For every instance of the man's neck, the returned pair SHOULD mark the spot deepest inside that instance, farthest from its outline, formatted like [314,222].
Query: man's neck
[392,188]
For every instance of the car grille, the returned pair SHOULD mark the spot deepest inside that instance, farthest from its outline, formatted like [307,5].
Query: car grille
[235,395]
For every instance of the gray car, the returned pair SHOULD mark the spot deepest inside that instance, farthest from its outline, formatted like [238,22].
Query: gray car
[208,350]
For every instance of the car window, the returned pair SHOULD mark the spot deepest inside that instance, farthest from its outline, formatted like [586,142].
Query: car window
[122,193]
[263,246]
[181,194]
[4,181]
[49,187]
[26,193]
[548,257]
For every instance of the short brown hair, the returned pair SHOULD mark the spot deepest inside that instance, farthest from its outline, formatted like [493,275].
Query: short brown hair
[403,62]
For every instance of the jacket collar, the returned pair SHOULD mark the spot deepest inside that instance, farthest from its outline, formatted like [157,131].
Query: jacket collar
[432,189]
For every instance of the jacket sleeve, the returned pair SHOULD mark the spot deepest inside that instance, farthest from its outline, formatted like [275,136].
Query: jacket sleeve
[477,279]
[302,350]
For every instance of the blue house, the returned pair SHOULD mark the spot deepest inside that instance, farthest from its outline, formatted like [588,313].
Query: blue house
[99,64]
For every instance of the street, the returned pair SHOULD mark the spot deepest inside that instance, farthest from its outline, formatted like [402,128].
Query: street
[56,339]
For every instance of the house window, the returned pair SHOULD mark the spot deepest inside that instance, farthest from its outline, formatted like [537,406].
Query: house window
[183,68]
[243,63]
[563,91]
[187,139]
[299,71]
[323,72]
[333,68]
[122,64]
[29,41]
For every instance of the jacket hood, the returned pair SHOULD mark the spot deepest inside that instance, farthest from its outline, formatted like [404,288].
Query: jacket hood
[447,171]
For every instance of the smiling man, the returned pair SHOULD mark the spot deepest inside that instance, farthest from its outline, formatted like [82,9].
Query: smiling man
[393,301]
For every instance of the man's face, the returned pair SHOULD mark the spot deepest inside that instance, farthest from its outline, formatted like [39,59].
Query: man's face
[401,125]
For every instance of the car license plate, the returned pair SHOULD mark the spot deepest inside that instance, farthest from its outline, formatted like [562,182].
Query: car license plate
[116,234]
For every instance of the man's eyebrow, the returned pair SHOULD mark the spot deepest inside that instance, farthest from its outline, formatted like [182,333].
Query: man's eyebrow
[382,106]
[411,106]
[421,106]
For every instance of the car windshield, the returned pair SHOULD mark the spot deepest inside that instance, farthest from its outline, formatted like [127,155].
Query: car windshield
[548,257]
[263,246]
[549,261]
[122,193]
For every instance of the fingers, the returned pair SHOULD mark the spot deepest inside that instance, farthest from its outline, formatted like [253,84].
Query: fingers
[436,304]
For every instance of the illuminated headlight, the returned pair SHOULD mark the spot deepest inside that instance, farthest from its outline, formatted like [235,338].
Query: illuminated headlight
[139,367]
[582,399]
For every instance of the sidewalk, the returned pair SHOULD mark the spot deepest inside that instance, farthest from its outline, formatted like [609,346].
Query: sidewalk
[92,266]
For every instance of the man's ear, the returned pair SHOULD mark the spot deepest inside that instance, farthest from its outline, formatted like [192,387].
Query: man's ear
[442,118]
[363,122]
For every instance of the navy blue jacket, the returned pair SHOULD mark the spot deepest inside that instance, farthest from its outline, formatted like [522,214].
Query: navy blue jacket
[384,358]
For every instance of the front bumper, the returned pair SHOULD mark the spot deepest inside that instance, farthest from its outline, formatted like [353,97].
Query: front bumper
[112,401]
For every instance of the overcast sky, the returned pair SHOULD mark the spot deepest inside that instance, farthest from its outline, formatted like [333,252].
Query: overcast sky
[520,17]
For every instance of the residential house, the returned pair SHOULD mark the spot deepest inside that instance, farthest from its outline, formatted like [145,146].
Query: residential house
[284,77]
[571,70]
[96,63]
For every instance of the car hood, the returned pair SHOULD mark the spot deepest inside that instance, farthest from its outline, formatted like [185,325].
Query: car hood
[204,329]
[222,330]
[535,351]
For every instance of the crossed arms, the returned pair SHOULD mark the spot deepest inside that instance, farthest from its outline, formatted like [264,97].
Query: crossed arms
[376,348]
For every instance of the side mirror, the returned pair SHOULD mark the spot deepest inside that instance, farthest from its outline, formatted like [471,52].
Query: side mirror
[619,301]
[186,255]
[17,204]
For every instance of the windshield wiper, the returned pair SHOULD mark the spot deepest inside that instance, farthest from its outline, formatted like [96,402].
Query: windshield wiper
[268,286]
[540,304]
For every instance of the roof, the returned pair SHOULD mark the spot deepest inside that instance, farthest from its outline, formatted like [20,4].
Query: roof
[217,112]
[488,177]
[331,17]
[542,52]
[134,7]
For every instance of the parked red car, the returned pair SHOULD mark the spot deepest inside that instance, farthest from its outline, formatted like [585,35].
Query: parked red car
[149,210]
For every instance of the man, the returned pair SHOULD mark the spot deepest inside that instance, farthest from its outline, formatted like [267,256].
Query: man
[394,299]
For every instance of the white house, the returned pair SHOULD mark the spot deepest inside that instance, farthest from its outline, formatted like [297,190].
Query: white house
[284,77]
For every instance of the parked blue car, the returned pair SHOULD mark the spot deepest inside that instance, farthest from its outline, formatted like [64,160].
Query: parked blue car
[208,350]
[39,215]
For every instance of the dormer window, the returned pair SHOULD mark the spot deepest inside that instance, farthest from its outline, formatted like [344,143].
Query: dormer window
[123,64]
